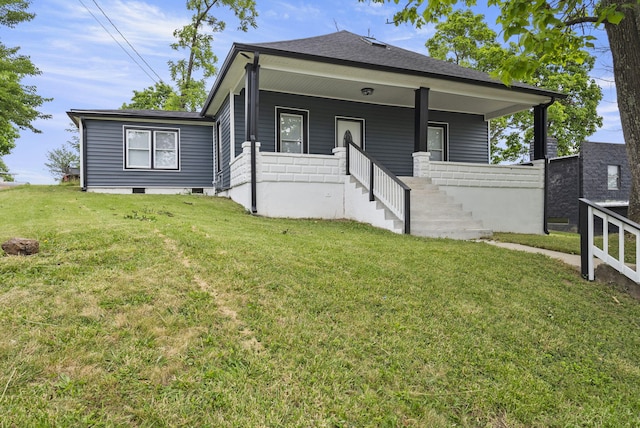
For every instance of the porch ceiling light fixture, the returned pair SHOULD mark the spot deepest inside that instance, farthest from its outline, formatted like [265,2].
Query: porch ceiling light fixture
[366,91]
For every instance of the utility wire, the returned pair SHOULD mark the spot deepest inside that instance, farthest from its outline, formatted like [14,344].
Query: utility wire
[119,44]
[125,39]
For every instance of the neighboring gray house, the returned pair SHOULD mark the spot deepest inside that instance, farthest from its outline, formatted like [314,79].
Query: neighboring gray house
[600,173]
[335,126]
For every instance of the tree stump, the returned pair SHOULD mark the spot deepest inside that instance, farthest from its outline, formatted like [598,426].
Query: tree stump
[21,246]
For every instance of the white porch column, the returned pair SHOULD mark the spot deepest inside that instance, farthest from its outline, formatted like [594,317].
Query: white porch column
[421,165]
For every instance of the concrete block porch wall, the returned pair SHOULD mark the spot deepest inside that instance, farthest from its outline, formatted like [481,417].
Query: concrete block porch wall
[506,198]
[502,198]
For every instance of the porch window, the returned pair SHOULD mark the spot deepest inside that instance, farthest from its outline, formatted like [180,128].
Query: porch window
[437,142]
[292,130]
[151,149]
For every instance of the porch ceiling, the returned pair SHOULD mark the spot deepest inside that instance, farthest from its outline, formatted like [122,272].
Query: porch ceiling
[304,77]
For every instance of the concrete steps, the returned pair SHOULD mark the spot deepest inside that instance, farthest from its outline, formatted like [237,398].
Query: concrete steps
[436,215]
[372,212]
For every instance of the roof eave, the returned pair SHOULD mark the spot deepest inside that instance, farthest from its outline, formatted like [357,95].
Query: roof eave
[304,56]
[76,114]
[231,56]
[238,48]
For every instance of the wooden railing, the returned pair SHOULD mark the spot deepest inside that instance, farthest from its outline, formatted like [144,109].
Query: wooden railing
[381,184]
[589,212]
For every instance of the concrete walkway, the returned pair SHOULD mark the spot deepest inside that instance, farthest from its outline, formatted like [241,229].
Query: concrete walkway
[570,259]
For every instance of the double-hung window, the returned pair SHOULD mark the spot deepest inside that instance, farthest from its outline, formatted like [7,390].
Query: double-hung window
[437,141]
[292,130]
[151,149]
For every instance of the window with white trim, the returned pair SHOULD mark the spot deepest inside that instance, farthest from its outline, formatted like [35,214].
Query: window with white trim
[437,141]
[151,149]
[293,130]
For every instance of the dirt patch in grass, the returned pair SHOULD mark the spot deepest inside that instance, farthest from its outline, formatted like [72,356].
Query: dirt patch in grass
[608,275]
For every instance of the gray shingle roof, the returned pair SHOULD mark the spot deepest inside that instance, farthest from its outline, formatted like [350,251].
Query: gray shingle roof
[348,48]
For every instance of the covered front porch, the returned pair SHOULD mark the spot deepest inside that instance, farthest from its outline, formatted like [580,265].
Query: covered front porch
[442,199]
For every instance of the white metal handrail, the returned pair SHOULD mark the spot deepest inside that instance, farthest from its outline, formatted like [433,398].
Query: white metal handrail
[589,211]
[381,184]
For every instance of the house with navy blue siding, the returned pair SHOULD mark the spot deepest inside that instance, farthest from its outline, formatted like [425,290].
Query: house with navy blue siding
[335,126]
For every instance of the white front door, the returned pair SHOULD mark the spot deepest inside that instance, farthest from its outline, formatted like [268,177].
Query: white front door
[349,130]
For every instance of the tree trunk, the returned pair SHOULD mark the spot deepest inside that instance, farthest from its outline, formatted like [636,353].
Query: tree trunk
[624,41]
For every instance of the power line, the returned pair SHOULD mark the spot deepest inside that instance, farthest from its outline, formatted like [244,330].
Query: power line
[119,44]
[125,39]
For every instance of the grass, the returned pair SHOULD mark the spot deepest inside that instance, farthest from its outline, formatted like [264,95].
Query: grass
[146,310]
[564,242]
[567,242]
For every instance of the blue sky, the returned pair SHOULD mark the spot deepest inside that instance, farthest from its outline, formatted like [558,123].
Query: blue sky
[84,68]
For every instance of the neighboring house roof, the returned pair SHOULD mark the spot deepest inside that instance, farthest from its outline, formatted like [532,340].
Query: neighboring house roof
[138,114]
[354,59]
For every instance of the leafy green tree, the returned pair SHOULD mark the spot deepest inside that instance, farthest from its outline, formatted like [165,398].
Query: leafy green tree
[191,73]
[465,38]
[62,159]
[4,172]
[160,96]
[555,33]
[18,102]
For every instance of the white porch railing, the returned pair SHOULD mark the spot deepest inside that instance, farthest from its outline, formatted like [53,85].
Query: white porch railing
[589,212]
[381,184]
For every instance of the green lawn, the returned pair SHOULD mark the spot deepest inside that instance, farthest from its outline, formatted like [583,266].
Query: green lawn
[145,310]
[569,243]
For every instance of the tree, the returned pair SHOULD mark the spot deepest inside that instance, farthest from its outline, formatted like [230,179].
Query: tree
[4,172]
[18,102]
[196,38]
[62,159]
[465,39]
[160,96]
[545,33]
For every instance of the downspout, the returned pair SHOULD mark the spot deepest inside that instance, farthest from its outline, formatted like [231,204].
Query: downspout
[83,155]
[253,129]
[545,227]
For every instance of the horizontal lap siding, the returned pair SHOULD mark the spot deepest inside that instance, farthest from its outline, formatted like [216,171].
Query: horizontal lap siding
[388,130]
[238,105]
[224,118]
[105,151]
[468,136]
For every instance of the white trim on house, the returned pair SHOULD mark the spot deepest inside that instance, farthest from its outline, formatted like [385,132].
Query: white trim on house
[613,204]
[305,127]
[445,126]
[152,132]
[82,160]
[145,120]
[363,131]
